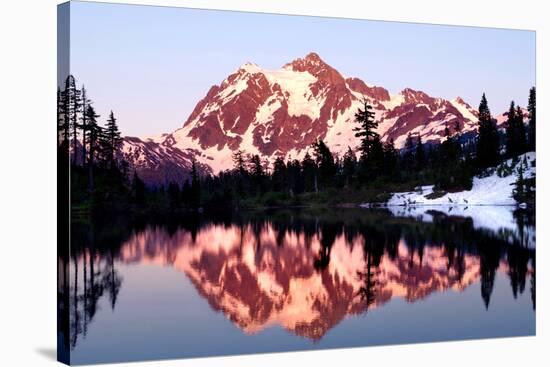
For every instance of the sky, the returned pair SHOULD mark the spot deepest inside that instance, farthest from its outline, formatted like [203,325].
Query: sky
[151,65]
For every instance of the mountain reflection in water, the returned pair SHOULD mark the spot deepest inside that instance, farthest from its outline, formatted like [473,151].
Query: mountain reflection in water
[304,271]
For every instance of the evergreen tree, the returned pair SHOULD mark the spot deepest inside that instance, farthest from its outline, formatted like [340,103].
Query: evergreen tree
[138,189]
[94,131]
[511,142]
[195,186]
[241,173]
[519,190]
[111,141]
[366,129]
[239,162]
[256,168]
[521,134]
[515,132]
[409,142]
[420,155]
[408,154]
[450,151]
[309,171]
[488,145]
[174,196]
[257,172]
[325,163]
[348,166]
[391,159]
[186,194]
[294,176]
[62,126]
[373,166]
[453,173]
[532,109]
[72,108]
[279,175]
[372,152]
[83,122]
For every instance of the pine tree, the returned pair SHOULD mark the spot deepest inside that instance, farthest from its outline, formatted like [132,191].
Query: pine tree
[532,109]
[309,170]
[521,134]
[256,168]
[450,173]
[72,97]
[279,175]
[83,122]
[295,177]
[420,155]
[195,186]
[519,190]
[391,158]
[348,166]
[173,196]
[111,141]
[488,145]
[62,126]
[257,172]
[409,142]
[511,142]
[94,131]
[325,163]
[450,149]
[138,189]
[239,162]
[186,193]
[408,153]
[515,132]
[240,173]
[366,129]
[373,166]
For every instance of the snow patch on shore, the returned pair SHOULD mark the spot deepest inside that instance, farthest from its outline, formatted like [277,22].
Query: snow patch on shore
[490,190]
[489,203]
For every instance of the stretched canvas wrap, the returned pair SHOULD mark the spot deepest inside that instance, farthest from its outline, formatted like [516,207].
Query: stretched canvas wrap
[234,183]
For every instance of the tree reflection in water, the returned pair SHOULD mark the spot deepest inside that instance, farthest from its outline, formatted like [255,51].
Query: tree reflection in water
[323,265]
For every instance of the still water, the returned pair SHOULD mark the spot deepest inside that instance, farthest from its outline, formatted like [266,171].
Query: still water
[295,280]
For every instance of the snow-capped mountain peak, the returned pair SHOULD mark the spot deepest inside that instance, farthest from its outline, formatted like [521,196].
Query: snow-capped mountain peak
[281,112]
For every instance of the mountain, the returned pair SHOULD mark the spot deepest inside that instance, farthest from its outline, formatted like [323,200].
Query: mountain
[281,112]
[260,277]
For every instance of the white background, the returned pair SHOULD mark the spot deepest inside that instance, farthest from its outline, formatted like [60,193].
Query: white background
[28,181]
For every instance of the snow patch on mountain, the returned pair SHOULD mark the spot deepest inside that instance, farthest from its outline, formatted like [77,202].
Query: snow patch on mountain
[466,110]
[395,101]
[295,86]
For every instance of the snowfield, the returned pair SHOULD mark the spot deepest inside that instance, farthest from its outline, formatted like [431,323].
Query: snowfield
[490,190]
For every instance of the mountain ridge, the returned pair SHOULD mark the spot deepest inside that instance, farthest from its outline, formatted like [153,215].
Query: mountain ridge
[282,112]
